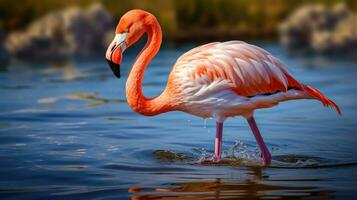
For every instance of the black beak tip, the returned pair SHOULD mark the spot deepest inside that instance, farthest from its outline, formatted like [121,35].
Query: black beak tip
[115,68]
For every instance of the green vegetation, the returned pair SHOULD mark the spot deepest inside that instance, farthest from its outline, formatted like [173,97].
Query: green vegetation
[180,19]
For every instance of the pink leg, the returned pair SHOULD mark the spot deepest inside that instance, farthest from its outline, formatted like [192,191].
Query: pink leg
[218,142]
[265,151]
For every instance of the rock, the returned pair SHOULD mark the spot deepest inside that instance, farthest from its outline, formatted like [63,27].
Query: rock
[62,35]
[321,41]
[101,23]
[345,36]
[321,29]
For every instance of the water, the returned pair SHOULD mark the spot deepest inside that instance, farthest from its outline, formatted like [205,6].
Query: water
[66,132]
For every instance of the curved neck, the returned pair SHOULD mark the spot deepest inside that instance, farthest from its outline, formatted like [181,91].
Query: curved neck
[134,94]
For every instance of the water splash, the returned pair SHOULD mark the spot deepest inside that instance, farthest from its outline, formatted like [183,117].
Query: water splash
[241,155]
[241,151]
[202,154]
[236,155]
[300,161]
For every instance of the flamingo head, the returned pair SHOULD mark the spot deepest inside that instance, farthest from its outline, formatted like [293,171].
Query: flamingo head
[130,28]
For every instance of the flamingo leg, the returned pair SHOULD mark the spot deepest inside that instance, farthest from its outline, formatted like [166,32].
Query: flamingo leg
[218,142]
[266,156]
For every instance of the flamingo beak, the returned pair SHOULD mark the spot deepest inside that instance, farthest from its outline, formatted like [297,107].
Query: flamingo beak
[115,68]
[114,53]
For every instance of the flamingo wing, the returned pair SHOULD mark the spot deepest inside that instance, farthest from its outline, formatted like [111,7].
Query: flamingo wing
[245,69]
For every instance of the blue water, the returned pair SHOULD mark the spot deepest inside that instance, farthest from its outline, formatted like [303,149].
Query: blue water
[66,132]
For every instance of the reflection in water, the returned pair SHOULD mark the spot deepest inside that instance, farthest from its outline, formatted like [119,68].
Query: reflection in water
[97,101]
[67,68]
[169,156]
[93,98]
[258,186]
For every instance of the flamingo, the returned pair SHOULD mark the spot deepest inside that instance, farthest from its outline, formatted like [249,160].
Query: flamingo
[217,80]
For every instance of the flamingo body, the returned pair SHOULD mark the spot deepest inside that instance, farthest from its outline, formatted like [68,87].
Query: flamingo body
[219,80]
[233,78]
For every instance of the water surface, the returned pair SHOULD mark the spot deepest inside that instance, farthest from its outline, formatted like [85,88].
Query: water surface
[66,132]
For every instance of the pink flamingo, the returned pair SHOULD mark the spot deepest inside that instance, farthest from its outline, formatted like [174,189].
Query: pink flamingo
[219,80]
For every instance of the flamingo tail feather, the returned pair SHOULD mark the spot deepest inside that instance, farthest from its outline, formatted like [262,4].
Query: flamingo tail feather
[314,93]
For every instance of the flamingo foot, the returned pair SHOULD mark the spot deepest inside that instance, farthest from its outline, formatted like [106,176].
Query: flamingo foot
[215,159]
[266,158]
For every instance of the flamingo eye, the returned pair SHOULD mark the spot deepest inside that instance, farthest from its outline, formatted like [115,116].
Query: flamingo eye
[126,30]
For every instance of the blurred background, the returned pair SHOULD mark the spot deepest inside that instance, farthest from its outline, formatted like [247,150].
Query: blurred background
[66,131]
[49,29]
